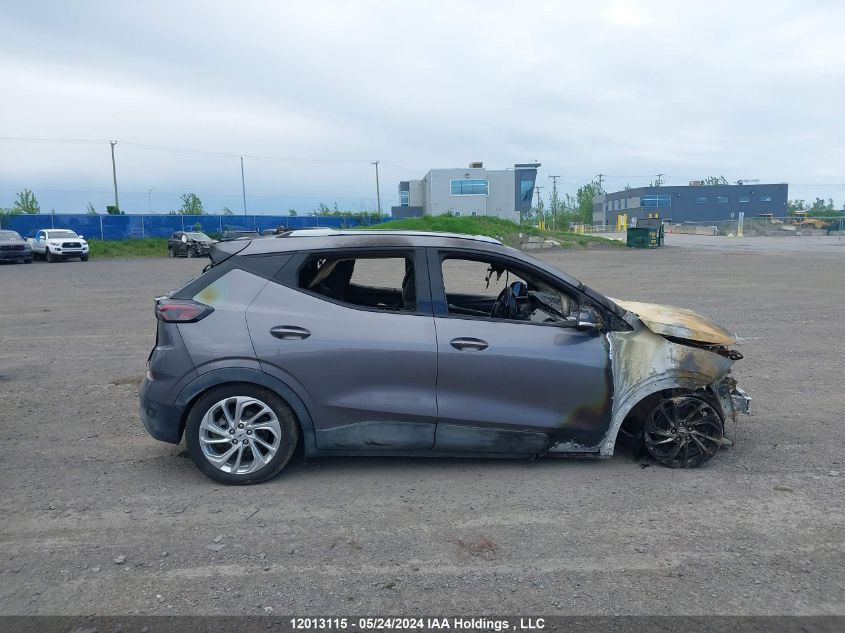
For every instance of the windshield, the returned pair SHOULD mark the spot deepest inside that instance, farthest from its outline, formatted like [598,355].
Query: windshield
[200,237]
[10,235]
[53,235]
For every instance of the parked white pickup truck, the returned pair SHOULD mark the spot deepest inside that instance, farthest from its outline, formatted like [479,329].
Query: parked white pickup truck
[56,244]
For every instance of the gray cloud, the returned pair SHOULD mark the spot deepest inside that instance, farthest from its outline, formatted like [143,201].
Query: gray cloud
[748,90]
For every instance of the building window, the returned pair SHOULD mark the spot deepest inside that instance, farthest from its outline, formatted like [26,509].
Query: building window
[701,200]
[745,199]
[765,198]
[457,214]
[404,198]
[474,213]
[526,189]
[722,199]
[655,201]
[469,187]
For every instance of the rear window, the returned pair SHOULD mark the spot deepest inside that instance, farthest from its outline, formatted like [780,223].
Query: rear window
[369,281]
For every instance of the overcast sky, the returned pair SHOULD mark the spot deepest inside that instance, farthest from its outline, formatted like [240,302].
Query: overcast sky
[628,89]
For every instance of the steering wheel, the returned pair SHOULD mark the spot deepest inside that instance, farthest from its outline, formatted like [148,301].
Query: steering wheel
[507,305]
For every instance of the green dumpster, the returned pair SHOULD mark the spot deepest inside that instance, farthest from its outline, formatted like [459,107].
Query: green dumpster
[645,237]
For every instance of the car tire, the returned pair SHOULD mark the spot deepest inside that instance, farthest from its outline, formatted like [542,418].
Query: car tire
[224,412]
[49,256]
[170,252]
[84,258]
[684,431]
[27,261]
[191,252]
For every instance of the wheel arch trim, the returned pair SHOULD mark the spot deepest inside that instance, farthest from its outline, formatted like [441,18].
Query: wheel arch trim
[229,375]
[685,381]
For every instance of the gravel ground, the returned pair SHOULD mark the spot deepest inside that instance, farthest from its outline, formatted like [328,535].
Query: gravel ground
[98,518]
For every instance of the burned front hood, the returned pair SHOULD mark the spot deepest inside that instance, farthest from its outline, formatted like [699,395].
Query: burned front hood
[678,323]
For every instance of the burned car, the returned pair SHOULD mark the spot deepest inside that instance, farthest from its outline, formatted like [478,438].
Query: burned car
[188,244]
[407,343]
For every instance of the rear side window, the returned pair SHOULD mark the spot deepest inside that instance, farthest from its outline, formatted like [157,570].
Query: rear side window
[363,280]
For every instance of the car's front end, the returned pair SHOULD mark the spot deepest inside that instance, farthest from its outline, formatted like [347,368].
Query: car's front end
[671,375]
[68,248]
[13,248]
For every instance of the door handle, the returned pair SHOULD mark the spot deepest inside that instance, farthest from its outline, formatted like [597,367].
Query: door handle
[468,344]
[289,332]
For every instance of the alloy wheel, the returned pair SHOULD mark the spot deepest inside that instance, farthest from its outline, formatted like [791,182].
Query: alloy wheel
[683,432]
[240,435]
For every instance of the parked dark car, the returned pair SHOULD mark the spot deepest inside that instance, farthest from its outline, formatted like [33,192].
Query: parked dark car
[13,248]
[188,244]
[228,236]
[404,343]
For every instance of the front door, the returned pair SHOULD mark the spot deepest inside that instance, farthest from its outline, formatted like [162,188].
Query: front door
[356,339]
[523,379]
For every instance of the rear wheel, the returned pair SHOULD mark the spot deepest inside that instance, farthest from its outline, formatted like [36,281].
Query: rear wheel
[192,252]
[241,434]
[170,252]
[683,432]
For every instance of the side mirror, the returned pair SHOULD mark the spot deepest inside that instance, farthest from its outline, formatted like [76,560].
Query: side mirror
[81,236]
[588,320]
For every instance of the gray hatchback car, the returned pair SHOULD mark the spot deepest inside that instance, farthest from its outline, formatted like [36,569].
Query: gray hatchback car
[404,343]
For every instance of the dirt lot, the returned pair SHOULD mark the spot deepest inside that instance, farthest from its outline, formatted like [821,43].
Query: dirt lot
[760,529]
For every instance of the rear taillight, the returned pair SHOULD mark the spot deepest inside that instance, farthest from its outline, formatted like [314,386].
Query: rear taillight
[181,311]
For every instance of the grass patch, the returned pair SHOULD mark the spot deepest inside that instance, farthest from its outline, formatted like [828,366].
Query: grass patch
[507,232]
[147,247]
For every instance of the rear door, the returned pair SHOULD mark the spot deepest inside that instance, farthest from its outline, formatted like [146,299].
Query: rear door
[353,333]
[507,385]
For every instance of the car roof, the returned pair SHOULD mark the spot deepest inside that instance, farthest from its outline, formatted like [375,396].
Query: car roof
[314,239]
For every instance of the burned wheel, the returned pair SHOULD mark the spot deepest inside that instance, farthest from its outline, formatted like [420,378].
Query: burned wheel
[683,432]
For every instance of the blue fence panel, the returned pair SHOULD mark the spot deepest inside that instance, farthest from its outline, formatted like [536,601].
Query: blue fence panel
[121,227]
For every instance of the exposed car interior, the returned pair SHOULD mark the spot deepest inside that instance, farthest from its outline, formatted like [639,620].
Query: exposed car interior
[351,280]
[491,290]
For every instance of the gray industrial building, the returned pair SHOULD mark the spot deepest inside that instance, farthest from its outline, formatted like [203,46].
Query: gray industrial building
[693,203]
[474,190]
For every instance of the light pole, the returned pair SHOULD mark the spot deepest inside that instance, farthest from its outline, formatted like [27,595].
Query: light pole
[114,175]
[150,200]
[378,193]
[243,183]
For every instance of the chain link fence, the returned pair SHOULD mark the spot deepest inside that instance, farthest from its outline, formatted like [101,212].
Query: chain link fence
[122,227]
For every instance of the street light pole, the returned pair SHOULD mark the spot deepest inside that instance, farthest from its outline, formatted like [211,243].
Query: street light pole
[243,183]
[150,200]
[378,192]
[114,175]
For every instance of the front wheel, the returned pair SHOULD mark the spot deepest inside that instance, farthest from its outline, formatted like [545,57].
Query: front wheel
[241,434]
[84,258]
[683,432]
[49,256]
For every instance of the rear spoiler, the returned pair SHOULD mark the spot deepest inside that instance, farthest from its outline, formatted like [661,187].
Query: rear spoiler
[221,251]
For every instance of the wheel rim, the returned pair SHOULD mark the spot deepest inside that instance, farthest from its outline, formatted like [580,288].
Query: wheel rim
[240,435]
[170,252]
[683,432]
[190,252]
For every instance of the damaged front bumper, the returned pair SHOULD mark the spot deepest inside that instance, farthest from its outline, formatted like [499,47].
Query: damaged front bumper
[741,401]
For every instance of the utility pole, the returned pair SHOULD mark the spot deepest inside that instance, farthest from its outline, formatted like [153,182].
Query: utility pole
[243,183]
[114,175]
[554,201]
[601,178]
[658,180]
[150,200]
[537,189]
[378,192]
